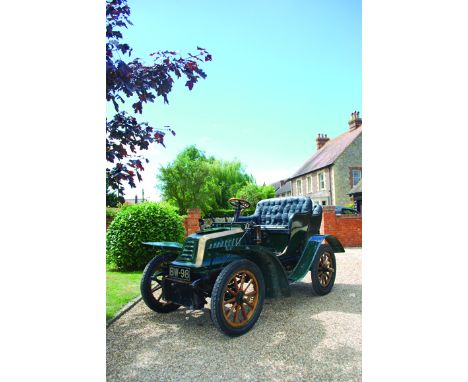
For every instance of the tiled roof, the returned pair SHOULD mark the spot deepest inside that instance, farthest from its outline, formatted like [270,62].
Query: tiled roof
[328,153]
[357,188]
[284,188]
[276,185]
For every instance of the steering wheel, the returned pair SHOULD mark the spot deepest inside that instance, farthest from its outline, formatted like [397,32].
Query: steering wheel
[239,203]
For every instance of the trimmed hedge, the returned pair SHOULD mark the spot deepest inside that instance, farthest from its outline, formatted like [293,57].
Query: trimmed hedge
[229,212]
[136,224]
[111,212]
[220,213]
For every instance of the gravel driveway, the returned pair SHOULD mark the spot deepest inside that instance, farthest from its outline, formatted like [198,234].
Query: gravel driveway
[298,338]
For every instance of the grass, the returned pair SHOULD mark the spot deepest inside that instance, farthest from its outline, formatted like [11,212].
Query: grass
[121,287]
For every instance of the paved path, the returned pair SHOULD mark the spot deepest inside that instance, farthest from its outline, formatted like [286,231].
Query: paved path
[299,338]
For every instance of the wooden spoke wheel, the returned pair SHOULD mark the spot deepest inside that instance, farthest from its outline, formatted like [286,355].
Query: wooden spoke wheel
[240,298]
[323,270]
[237,297]
[151,284]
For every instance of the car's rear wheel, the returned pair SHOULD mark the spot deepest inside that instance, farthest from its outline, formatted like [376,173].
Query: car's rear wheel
[323,270]
[237,297]
[151,284]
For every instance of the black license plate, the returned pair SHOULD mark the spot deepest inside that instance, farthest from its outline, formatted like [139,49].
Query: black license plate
[179,273]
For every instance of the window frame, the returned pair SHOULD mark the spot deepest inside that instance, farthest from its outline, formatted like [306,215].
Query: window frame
[352,175]
[309,184]
[299,189]
[319,183]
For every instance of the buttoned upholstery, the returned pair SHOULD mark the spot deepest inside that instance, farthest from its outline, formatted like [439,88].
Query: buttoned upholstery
[275,212]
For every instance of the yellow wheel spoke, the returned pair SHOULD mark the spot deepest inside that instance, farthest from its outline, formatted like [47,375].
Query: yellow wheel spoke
[232,292]
[243,312]
[242,282]
[248,285]
[229,311]
[236,314]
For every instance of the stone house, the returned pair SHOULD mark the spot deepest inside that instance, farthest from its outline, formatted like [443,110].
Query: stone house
[356,195]
[283,189]
[334,169]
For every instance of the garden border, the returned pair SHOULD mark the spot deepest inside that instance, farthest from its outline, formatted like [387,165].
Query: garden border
[124,310]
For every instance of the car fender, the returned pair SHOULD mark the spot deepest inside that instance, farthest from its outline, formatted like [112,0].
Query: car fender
[309,253]
[276,279]
[166,245]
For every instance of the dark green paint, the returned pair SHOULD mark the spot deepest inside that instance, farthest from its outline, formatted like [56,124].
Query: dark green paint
[299,226]
[309,253]
[294,249]
[334,243]
[168,245]
[276,279]
[306,259]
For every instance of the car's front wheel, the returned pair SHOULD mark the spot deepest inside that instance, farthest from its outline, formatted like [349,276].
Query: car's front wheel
[237,297]
[151,284]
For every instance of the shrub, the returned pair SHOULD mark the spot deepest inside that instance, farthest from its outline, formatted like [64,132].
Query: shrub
[169,205]
[112,212]
[138,223]
[228,212]
[220,213]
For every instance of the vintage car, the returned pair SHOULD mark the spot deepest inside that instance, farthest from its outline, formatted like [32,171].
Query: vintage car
[240,263]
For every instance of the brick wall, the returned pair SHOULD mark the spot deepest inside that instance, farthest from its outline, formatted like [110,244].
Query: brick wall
[191,222]
[346,228]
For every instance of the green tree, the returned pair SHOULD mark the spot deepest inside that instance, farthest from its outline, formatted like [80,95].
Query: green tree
[187,182]
[253,193]
[229,177]
[194,180]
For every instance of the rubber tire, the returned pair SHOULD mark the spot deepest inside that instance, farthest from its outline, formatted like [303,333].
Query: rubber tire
[217,296]
[318,289]
[145,284]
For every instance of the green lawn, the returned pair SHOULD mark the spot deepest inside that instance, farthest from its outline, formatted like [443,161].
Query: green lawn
[121,287]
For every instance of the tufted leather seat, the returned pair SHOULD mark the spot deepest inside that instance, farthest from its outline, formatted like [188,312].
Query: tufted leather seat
[275,213]
[284,224]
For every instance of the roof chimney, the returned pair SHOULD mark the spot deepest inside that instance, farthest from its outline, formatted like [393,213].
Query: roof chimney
[321,140]
[355,121]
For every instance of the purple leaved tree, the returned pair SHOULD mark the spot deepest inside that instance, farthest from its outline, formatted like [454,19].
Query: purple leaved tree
[132,79]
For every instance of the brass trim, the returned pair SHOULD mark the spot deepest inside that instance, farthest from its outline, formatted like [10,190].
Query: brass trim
[202,242]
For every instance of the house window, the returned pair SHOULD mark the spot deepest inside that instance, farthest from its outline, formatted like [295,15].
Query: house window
[309,184]
[324,202]
[321,181]
[356,176]
[299,186]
